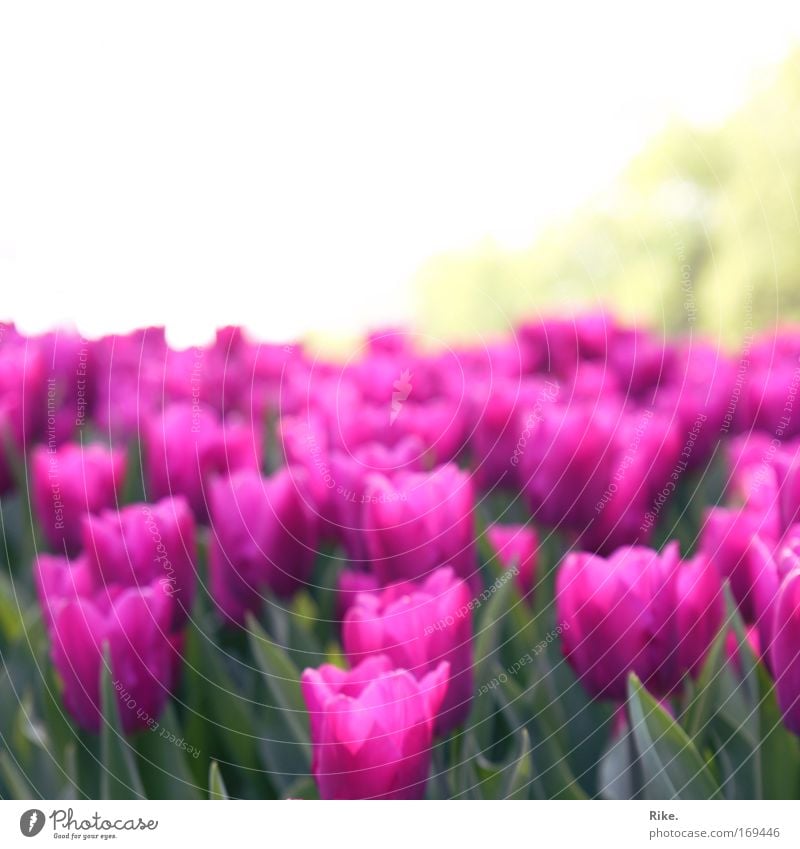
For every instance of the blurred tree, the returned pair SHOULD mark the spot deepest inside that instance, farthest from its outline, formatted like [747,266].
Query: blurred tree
[701,233]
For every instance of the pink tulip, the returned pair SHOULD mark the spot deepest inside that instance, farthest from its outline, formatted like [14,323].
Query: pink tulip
[418,626]
[517,548]
[785,650]
[418,521]
[637,611]
[134,624]
[69,482]
[188,446]
[372,728]
[263,537]
[142,543]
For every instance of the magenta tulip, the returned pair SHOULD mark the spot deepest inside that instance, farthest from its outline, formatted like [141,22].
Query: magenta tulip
[59,580]
[637,611]
[418,521]
[70,481]
[350,474]
[517,548]
[372,728]
[726,540]
[418,626]
[143,543]
[263,537]
[188,446]
[785,650]
[351,583]
[23,411]
[134,625]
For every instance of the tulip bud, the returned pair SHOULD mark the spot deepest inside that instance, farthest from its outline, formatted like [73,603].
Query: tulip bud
[637,611]
[69,361]
[418,521]
[134,624]
[350,473]
[517,548]
[58,581]
[785,650]
[768,565]
[417,626]
[143,543]
[568,461]
[727,539]
[189,445]
[351,583]
[263,537]
[69,482]
[372,728]
[23,408]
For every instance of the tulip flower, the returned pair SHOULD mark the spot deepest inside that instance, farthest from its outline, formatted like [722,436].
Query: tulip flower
[69,361]
[763,400]
[732,650]
[305,444]
[59,580]
[786,467]
[142,543]
[768,564]
[129,378]
[70,481]
[209,376]
[189,445]
[417,521]
[637,611]
[133,624]
[417,626]
[22,406]
[726,539]
[517,548]
[557,345]
[372,728]
[568,460]
[351,583]
[785,650]
[263,537]
[507,412]
[640,360]
[350,473]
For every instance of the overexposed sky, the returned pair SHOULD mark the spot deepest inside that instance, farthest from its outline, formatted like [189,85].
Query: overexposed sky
[289,166]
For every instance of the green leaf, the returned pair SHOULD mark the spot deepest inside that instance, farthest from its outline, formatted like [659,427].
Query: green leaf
[617,774]
[119,777]
[17,783]
[282,679]
[705,700]
[671,766]
[303,788]
[163,760]
[219,710]
[736,760]
[780,749]
[133,485]
[519,775]
[553,777]
[216,786]
[71,784]
[489,630]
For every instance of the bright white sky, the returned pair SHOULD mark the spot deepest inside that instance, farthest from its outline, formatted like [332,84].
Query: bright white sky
[290,166]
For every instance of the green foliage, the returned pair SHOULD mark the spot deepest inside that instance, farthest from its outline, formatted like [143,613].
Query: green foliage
[237,726]
[701,233]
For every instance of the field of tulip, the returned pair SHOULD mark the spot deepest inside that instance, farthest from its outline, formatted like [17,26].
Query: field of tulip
[564,565]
